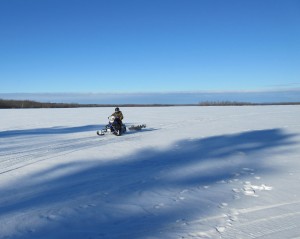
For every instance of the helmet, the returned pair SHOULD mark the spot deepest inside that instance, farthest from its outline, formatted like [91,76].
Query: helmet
[117,109]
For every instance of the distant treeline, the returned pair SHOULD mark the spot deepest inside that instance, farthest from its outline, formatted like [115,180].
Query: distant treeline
[26,104]
[20,104]
[234,103]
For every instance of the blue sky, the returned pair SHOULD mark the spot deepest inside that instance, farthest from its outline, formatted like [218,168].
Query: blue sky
[118,46]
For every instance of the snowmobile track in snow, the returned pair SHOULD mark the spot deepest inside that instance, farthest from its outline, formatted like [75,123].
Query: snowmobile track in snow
[32,153]
[281,221]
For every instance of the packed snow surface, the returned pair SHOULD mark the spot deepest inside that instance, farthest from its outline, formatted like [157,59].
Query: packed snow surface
[193,172]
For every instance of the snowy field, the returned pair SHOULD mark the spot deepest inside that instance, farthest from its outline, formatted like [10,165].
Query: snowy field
[194,172]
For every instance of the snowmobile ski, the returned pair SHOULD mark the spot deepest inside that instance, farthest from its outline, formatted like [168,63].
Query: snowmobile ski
[100,133]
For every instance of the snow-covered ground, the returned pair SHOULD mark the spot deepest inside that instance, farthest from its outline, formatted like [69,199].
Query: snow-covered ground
[194,172]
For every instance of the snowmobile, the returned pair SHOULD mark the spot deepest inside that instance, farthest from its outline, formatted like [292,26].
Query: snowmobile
[113,127]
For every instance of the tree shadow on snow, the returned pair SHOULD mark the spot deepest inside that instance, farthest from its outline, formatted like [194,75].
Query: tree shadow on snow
[53,130]
[144,194]
[59,130]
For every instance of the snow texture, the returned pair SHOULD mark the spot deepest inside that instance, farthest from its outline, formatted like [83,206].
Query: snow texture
[194,172]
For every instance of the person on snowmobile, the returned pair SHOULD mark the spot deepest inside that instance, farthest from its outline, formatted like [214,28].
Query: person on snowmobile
[119,116]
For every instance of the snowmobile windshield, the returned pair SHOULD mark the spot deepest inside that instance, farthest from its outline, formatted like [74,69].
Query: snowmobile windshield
[112,118]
